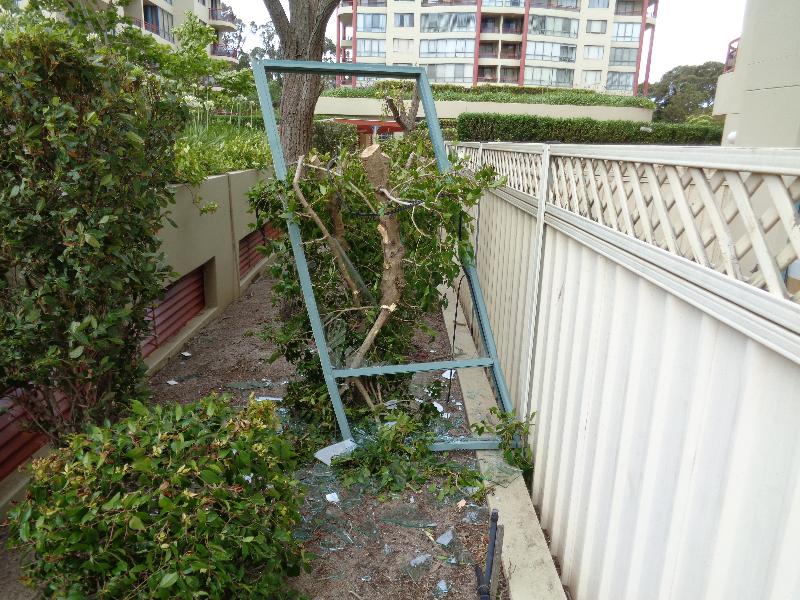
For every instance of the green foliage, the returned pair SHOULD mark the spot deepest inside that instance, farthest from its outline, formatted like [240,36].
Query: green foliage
[189,65]
[87,155]
[396,454]
[218,149]
[513,435]
[529,128]
[493,93]
[172,502]
[686,91]
[439,203]
[328,137]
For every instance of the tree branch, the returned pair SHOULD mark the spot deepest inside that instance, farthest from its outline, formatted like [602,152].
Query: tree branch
[279,19]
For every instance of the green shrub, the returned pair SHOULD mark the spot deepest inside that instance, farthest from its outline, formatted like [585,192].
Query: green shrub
[85,163]
[493,93]
[529,128]
[172,502]
[330,136]
[219,148]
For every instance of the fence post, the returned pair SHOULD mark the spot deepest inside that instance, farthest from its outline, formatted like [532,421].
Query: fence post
[535,291]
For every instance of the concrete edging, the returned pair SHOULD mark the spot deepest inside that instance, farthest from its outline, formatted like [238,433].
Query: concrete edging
[527,563]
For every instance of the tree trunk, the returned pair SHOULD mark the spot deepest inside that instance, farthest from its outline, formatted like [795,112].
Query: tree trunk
[298,100]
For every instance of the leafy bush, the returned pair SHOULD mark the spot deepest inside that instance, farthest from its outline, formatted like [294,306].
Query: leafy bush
[494,93]
[529,128]
[85,163]
[329,136]
[219,148]
[173,502]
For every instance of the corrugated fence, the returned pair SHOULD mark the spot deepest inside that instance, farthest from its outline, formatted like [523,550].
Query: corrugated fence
[643,314]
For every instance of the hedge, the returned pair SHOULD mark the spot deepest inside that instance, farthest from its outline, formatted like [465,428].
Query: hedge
[494,93]
[479,127]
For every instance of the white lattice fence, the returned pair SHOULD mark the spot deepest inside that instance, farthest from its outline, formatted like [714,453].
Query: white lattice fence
[731,210]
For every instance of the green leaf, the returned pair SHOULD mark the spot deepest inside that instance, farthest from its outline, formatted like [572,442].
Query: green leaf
[168,580]
[76,352]
[210,477]
[135,523]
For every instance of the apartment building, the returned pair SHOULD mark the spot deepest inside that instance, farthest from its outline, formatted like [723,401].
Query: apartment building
[593,44]
[759,92]
[161,17]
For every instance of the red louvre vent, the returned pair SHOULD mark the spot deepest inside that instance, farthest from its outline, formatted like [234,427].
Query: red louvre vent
[249,256]
[18,442]
[183,300]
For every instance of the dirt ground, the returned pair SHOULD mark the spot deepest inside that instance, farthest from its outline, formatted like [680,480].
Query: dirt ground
[365,548]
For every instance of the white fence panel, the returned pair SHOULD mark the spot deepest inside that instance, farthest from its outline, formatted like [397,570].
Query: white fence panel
[667,443]
[667,437]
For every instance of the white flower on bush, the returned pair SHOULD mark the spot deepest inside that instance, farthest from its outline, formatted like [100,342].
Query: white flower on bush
[93,37]
[192,101]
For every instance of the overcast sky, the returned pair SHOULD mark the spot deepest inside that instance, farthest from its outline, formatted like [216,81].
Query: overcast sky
[688,32]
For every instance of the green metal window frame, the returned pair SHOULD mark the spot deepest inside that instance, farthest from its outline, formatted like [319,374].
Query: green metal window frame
[260,70]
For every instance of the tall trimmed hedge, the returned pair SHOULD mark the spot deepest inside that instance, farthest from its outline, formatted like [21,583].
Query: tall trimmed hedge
[85,163]
[477,127]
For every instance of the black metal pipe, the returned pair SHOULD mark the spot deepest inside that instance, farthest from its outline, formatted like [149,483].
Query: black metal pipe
[485,578]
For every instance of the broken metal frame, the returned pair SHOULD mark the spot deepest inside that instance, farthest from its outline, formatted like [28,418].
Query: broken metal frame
[492,362]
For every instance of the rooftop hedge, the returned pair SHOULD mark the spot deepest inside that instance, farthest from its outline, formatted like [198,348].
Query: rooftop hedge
[481,127]
[494,93]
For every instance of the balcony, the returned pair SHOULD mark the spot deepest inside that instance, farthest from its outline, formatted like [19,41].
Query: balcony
[503,4]
[730,59]
[512,28]
[155,29]
[511,52]
[222,14]
[556,4]
[628,9]
[490,27]
[448,2]
[488,53]
[224,52]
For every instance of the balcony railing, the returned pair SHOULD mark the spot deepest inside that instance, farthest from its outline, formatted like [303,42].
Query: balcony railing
[487,54]
[372,3]
[221,14]
[489,28]
[448,2]
[487,78]
[511,55]
[556,4]
[628,10]
[512,29]
[730,60]
[503,3]
[154,28]
[219,50]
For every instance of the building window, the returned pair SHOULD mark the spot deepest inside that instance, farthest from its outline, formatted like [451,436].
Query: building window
[593,52]
[549,76]
[592,77]
[598,3]
[403,45]
[628,7]
[552,51]
[369,23]
[444,22]
[404,19]
[626,32]
[565,4]
[595,26]
[450,73]
[619,81]
[623,57]
[456,48]
[158,21]
[368,47]
[555,26]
